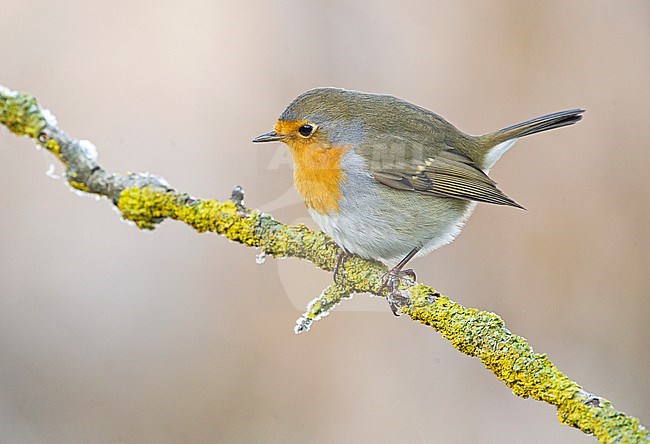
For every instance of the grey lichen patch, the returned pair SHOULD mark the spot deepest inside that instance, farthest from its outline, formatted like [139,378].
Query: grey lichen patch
[320,307]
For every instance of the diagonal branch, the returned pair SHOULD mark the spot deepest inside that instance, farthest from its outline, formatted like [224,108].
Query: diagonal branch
[147,200]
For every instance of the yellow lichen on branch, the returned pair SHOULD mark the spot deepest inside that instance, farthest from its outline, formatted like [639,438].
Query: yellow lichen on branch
[147,200]
[148,206]
[20,113]
[483,335]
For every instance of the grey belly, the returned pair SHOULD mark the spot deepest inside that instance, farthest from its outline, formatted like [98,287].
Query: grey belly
[379,222]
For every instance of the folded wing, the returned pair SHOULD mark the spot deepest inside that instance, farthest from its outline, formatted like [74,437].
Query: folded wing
[449,174]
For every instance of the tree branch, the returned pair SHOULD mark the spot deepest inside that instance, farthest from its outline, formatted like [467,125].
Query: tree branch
[147,200]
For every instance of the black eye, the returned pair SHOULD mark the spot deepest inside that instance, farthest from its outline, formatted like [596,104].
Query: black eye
[306,130]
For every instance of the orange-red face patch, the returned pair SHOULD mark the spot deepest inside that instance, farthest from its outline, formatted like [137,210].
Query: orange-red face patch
[317,173]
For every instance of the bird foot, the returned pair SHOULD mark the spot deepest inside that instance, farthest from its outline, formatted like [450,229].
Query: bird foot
[395,297]
[339,260]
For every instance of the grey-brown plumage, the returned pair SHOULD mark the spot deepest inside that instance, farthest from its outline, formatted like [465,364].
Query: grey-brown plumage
[434,157]
[449,174]
[410,178]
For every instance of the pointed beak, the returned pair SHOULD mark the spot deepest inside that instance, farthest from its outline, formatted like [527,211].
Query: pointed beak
[271,136]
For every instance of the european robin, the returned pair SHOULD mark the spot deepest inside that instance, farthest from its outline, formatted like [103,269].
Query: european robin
[389,180]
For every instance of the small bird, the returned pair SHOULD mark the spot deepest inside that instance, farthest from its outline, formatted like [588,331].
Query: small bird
[389,180]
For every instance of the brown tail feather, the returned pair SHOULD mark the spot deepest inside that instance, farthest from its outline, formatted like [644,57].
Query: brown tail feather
[532,126]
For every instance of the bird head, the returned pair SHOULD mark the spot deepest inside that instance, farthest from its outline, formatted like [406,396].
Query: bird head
[320,119]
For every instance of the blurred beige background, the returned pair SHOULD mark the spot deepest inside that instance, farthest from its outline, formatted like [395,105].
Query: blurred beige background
[110,334]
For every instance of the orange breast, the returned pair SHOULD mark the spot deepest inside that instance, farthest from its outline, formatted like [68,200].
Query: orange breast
[317,176]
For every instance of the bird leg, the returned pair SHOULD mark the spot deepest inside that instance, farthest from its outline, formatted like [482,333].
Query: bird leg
[392,280]
[339,260]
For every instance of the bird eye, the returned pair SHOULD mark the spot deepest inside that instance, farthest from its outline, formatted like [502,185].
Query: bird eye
[306,130]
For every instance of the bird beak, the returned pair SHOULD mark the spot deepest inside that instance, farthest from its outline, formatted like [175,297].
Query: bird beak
[271,136]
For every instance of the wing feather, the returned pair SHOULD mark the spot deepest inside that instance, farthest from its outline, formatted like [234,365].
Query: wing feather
[449,174]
